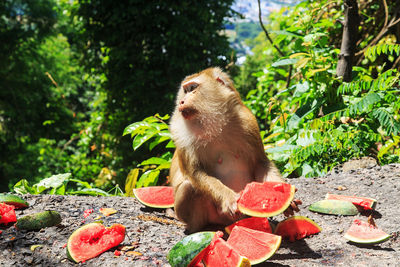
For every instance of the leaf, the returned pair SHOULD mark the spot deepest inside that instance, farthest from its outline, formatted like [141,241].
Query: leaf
[22,187]
[130,182]
[140,139]
[149,178]
[284,62]
[90,191]
[154,160]
[83,183]
[53,181]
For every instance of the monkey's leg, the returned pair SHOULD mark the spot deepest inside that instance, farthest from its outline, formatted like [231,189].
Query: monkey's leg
[267,171]
[194,209]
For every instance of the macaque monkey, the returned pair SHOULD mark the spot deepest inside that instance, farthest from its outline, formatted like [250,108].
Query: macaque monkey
[218,150]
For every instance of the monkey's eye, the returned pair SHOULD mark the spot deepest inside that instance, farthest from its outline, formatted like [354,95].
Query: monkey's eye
[189,87]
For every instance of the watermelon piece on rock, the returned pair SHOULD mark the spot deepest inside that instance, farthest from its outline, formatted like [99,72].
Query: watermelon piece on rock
[7,214]
[93,239]
[255,223]
[191,249]
[155,196]
[255,245]
[14,200]
[222,254]
[365,202]
[365,233]
[297,227]
[38,220]
[334,207]
[265,199]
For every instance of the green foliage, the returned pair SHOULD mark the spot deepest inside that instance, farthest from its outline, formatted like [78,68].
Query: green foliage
[152,131]
[57,184]
[316,121]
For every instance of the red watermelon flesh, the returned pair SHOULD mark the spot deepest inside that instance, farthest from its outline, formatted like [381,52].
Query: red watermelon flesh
[93,239]
[7,214]
[364,202]
[265,199]
[255,223]
[255,245]
[155,196]
[221,254]
[365,233]
[297,227]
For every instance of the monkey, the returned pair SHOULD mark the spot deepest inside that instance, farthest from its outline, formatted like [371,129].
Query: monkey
[218,151]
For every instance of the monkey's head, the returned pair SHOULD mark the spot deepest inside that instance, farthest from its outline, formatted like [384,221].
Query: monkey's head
[205,103]
[209,91]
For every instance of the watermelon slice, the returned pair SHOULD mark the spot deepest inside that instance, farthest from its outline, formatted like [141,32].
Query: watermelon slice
[365,233]
[221,254]
[364,202]
[155,196]
[335,207]
[93,239]
[14,200]
[191,249]
[265,199]
[255,223]
[297,227]
[255,245]
[7,214]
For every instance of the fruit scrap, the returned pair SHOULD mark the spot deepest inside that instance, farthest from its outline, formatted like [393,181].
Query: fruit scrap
[265,199]
[190,250]
[365,202]
[255,245]
[297,227]
[87,212]
[13,200]
[335,207]
[39,220]
[221,254]
[255,223]
[107,211]
[93,239]
[7,214]
[155,196]
[365,233]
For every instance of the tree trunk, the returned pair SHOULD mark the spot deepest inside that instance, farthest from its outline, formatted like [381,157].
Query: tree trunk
[349,39]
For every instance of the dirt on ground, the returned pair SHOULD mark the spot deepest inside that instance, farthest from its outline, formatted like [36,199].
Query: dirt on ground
[151,233]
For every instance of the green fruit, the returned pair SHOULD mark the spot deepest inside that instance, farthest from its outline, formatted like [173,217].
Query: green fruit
[336,207]
[189,250]
[39,220]
[14,200]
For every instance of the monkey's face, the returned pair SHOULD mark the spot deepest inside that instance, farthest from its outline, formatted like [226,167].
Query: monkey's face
[203,96]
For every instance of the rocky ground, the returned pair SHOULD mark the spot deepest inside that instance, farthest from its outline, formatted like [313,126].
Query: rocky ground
[151,233]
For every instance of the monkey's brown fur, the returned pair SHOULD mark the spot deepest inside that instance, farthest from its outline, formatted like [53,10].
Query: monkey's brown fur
[218,150]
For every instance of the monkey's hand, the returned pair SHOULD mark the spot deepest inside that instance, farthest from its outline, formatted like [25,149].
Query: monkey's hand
[227,205]
[293,207]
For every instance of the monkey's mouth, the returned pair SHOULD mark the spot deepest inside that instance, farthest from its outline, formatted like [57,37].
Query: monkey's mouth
[188,113]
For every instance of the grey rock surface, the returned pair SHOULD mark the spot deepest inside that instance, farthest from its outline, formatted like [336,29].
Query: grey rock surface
[150,233]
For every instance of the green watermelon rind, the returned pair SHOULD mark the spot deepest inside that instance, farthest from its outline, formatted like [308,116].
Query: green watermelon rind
[334,207]
[285,205]
[14,200]
[185,251]
[37,221]
[151,205]
[379,239]
[371,201]
[70,255]
[288,220]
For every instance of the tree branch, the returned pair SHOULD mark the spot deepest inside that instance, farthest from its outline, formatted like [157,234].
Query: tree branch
[272,43]
[349,40]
